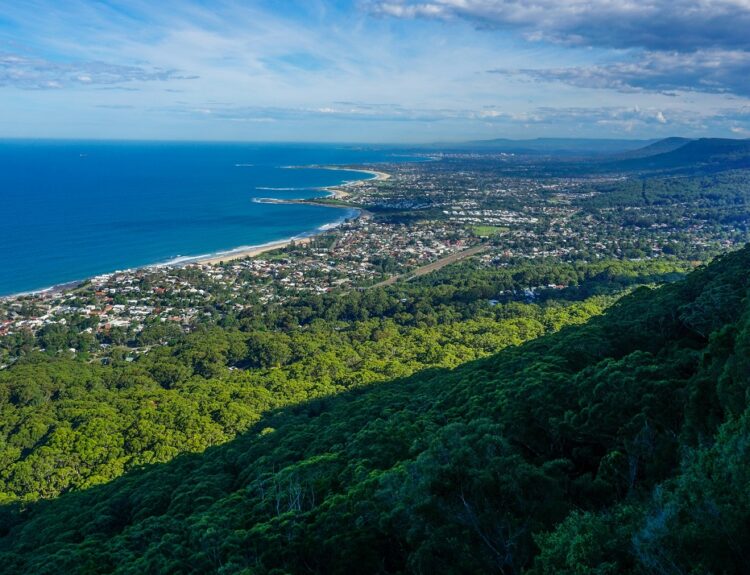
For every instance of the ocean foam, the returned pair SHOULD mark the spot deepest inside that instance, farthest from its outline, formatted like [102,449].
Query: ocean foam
[284,189]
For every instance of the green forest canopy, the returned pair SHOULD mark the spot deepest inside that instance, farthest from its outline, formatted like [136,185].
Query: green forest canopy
[616,445]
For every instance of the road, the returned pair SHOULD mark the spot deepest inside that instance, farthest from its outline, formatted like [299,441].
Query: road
[434,266]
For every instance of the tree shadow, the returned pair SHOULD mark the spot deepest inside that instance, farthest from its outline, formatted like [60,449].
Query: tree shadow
[296,458]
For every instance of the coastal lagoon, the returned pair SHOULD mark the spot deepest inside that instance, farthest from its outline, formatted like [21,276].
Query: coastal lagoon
[72,210]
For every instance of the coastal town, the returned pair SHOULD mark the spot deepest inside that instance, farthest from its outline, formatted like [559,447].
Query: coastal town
[135,305]
[413,218]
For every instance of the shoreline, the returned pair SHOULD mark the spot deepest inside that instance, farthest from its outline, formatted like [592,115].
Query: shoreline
[376,174]
[338,192]
[233,254]
[250,252]
[53,289]
[254,251]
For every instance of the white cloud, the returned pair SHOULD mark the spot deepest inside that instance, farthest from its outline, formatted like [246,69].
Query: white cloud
[40,74]
[683,25]
[325,69]
[712,71]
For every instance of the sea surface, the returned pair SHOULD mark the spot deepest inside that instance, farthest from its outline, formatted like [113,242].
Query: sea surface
[72,210]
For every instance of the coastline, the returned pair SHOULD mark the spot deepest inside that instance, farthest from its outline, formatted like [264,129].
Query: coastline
[200,260]
[51,290]
[249,252]
[335,191]
[377,174]
[253,251]
[338,192]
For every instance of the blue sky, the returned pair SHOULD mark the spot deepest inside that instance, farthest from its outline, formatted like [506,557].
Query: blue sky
[374,71]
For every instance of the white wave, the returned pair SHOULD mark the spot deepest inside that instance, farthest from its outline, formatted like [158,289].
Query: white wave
[269,201]
[284,189]
[178,260]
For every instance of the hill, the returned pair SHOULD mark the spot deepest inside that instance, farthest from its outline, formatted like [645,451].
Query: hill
[553,146]
[704,154]
[661,147]
[620,445]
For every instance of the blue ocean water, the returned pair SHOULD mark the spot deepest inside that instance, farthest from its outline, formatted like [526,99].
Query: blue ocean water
[71,210]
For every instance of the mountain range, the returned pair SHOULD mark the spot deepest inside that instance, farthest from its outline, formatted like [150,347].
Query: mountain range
[681,153]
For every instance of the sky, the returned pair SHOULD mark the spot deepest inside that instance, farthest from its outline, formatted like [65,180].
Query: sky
[392,71]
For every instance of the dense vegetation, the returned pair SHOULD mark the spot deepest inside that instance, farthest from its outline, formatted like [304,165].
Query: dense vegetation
[69,423]
[457,292]
[704,154]
[618,445]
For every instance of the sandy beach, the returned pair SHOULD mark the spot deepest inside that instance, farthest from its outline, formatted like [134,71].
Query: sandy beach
[380,176]
[209,260]
[250,252]
[340,192]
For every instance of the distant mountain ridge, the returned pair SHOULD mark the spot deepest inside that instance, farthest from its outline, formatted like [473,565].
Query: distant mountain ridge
[661,147]
[671,154]
[674,153]
[553,146]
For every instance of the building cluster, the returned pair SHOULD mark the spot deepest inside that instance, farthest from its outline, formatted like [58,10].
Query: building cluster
[127,300]
[357,254]
[426,211]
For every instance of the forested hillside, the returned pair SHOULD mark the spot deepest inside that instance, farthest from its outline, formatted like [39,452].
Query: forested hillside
[694,155]
[618,445]
[69,423]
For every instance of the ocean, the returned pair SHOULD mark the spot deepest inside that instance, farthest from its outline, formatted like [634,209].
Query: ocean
[72,210]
